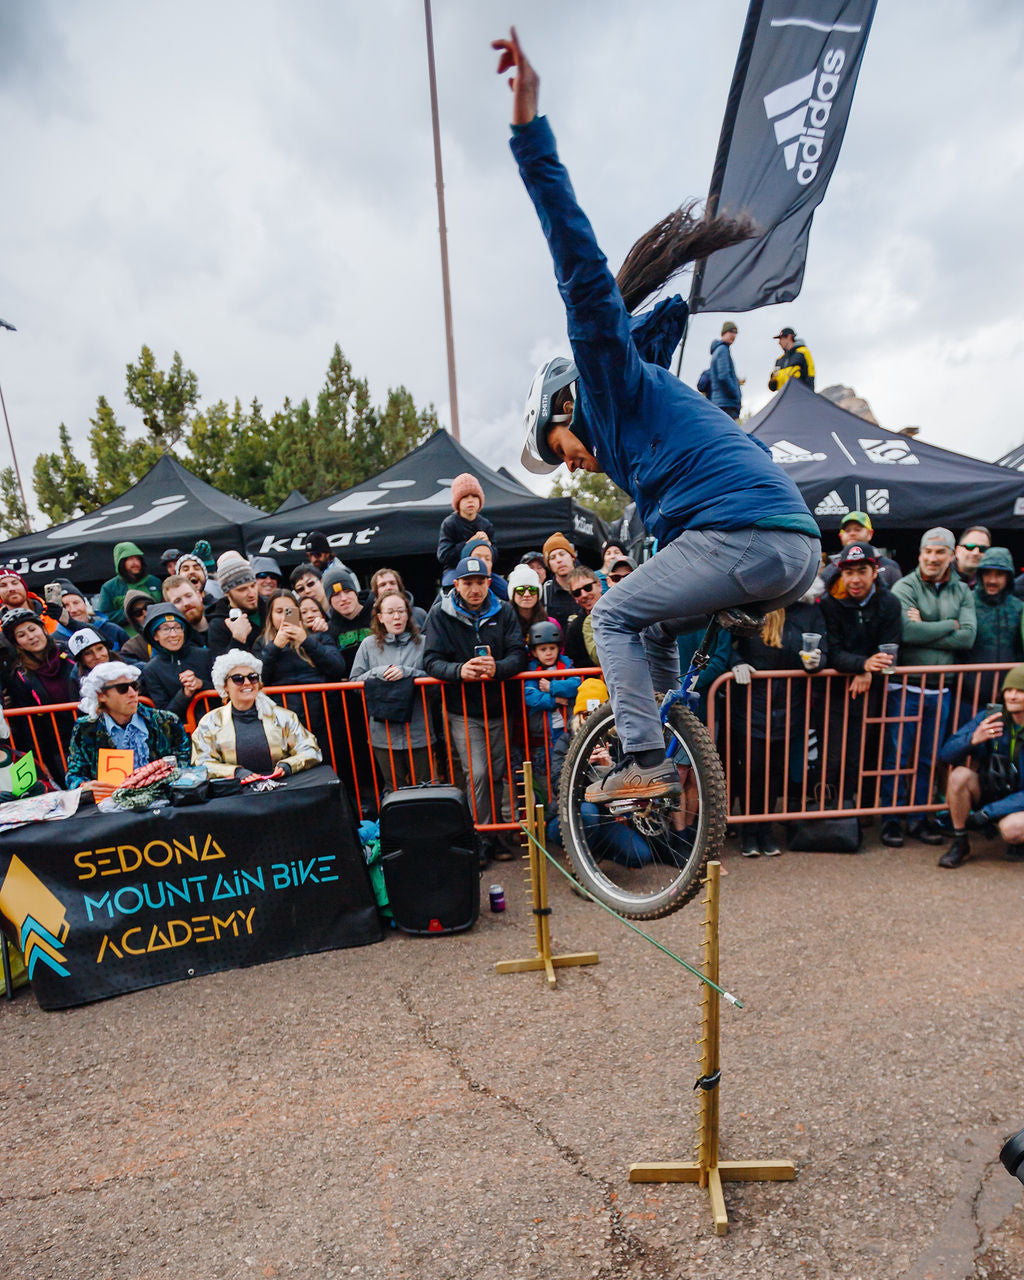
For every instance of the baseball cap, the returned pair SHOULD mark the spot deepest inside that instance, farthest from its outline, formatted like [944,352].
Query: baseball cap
[857,553]
[858,517]
[786,333]
[471,567]
[939,537]
[81,639]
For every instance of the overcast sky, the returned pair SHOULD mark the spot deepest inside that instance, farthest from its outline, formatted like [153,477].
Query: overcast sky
[249,183]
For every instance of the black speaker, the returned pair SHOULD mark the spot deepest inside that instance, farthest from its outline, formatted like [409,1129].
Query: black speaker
[430,857]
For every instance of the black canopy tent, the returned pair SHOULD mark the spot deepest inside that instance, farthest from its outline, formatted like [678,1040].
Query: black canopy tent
[397,513]
[168,507]
[842,463]
[295,499]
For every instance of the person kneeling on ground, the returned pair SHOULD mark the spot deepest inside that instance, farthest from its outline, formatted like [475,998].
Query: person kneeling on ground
[113,717]
[250,734]
[993,793]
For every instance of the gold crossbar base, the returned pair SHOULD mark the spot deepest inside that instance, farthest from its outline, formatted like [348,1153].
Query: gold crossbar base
[725,1171]
[546,962]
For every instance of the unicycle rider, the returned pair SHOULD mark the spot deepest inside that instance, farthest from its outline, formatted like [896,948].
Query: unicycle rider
[733,530]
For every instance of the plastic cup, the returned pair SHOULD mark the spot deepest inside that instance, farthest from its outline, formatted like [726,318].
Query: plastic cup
[890,650]
[811,640]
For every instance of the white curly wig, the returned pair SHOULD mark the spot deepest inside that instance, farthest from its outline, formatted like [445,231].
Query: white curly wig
[227,663]
[96,681]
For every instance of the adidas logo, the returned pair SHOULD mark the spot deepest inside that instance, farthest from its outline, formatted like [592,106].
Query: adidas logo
[799,112]
[831,505]
[785,453]
[889,451]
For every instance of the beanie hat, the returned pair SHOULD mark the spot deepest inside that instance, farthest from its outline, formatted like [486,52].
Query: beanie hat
[68,588]
[729,327]
[523,576]
[317,542]
[7,572]
[462,486]
[189,559]
[590,690]
[203,552]
[1014,678]
[479,539]
[157,615]
[233,570]
[556,541]
[337,578]
[131,599]
[83,638]
[267,565]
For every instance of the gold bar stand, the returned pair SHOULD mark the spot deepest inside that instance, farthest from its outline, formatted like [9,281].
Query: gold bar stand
[707,1170]
[537,891]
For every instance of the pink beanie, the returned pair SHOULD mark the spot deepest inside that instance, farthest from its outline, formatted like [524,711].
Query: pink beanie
[463,486]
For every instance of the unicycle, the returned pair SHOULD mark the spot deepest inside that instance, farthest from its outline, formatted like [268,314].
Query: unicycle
[645,858]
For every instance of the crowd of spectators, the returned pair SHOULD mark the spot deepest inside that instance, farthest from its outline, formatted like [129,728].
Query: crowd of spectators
[224,627]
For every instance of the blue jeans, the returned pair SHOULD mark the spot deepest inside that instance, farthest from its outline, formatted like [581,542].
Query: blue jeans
[932,706]
[702,571]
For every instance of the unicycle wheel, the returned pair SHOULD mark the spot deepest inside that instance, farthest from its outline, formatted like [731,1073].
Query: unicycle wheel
[644,859]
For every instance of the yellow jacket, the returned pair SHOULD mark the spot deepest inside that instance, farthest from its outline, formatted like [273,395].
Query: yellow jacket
[290,742]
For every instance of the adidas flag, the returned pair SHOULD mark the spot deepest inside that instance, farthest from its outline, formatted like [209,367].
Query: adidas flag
[784,124]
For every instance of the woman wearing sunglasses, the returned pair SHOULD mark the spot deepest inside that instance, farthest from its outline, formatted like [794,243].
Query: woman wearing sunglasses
[114,717]
[524,590]
[249,733]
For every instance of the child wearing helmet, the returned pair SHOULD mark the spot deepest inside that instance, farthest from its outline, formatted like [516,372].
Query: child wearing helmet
[733,531]
[548,700]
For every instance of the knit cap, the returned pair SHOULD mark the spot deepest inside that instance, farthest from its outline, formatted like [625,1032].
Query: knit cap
[233,570]
[337,578]
[462,486]
[558,541]
[523,576]
[590,691]
[1014,678]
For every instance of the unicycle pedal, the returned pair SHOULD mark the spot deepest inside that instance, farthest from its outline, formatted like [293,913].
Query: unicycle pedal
[741,622]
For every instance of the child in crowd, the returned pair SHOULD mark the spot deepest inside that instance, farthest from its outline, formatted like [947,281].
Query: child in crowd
[548,699]
[464,521]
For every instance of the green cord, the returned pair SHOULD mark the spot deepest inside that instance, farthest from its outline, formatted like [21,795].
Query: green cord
[630,925]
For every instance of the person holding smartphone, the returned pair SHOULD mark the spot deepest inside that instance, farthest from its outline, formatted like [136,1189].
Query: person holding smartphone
[990,790]
[290,653]
[474,638]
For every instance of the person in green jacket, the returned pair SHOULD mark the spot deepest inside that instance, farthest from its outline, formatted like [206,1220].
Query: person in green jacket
[939,627]
[129,572]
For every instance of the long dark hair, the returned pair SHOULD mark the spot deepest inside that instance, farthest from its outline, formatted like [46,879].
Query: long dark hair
[538,613]
[681,237]
[377,626]
[31,661]
[269,630]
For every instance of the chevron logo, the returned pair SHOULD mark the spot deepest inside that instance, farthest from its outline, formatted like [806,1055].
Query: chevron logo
[38,918]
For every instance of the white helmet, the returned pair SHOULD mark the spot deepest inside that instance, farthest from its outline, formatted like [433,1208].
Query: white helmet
[553,376]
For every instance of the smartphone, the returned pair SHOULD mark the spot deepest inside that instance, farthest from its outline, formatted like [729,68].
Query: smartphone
[482,651]
[993,708]
[289,612]
[53,593]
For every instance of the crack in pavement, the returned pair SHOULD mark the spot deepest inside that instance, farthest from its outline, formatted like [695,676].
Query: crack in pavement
[624,1246]
[113,1181]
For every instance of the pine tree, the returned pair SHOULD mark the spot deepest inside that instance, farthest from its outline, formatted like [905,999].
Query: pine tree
[167,401]
[62,482]
[595,491]
[13,514]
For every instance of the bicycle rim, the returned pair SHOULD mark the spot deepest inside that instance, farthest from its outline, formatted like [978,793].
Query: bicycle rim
[648,862]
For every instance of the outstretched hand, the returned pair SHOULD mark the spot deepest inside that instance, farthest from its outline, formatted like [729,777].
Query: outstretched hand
[525,84]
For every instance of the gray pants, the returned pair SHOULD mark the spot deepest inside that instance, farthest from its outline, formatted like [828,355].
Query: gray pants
[703,570]
[485,747]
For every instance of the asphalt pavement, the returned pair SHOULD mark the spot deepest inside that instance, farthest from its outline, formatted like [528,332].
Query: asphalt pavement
[402,1110]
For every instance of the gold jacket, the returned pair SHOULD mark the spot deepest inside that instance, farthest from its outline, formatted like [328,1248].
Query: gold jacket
[290,742]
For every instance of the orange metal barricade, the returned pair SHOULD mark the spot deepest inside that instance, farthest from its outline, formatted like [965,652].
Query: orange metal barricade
[829,746]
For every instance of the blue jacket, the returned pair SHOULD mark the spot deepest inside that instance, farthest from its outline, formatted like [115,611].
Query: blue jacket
[725,386]
[565,687]
[686,464]
[957,748]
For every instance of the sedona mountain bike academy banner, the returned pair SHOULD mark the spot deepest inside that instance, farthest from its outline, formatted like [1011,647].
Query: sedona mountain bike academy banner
[101,904]
[786,115]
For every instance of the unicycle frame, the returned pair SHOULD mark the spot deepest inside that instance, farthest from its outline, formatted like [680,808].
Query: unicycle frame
[686,693]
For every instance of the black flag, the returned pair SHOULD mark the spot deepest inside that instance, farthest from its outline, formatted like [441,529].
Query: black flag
[784,123]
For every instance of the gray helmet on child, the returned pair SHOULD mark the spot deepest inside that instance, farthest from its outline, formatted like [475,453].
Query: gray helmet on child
[544,632]
[552,377]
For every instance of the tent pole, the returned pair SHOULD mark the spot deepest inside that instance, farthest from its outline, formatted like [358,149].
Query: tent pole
[442,226]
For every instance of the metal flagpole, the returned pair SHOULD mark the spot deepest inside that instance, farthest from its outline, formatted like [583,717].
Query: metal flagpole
[10,437]
[442,225]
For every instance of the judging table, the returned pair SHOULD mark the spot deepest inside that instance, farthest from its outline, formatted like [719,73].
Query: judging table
[104,903]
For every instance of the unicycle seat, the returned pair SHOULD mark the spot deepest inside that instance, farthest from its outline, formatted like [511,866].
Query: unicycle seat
[742,622]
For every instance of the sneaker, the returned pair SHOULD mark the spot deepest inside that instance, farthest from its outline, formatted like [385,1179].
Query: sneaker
[631,781]
[892,833]
[769,845]
[925,831]
[750,846]
[1014,853]
[740,622]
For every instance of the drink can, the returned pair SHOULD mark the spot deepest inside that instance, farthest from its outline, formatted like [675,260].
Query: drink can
[497,896]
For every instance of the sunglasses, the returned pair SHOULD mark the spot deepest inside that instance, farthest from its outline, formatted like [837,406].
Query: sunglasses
[240,680]
[617,577]
[261,576]
[974,546]
[527,591]
[122,687]
[582,591]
